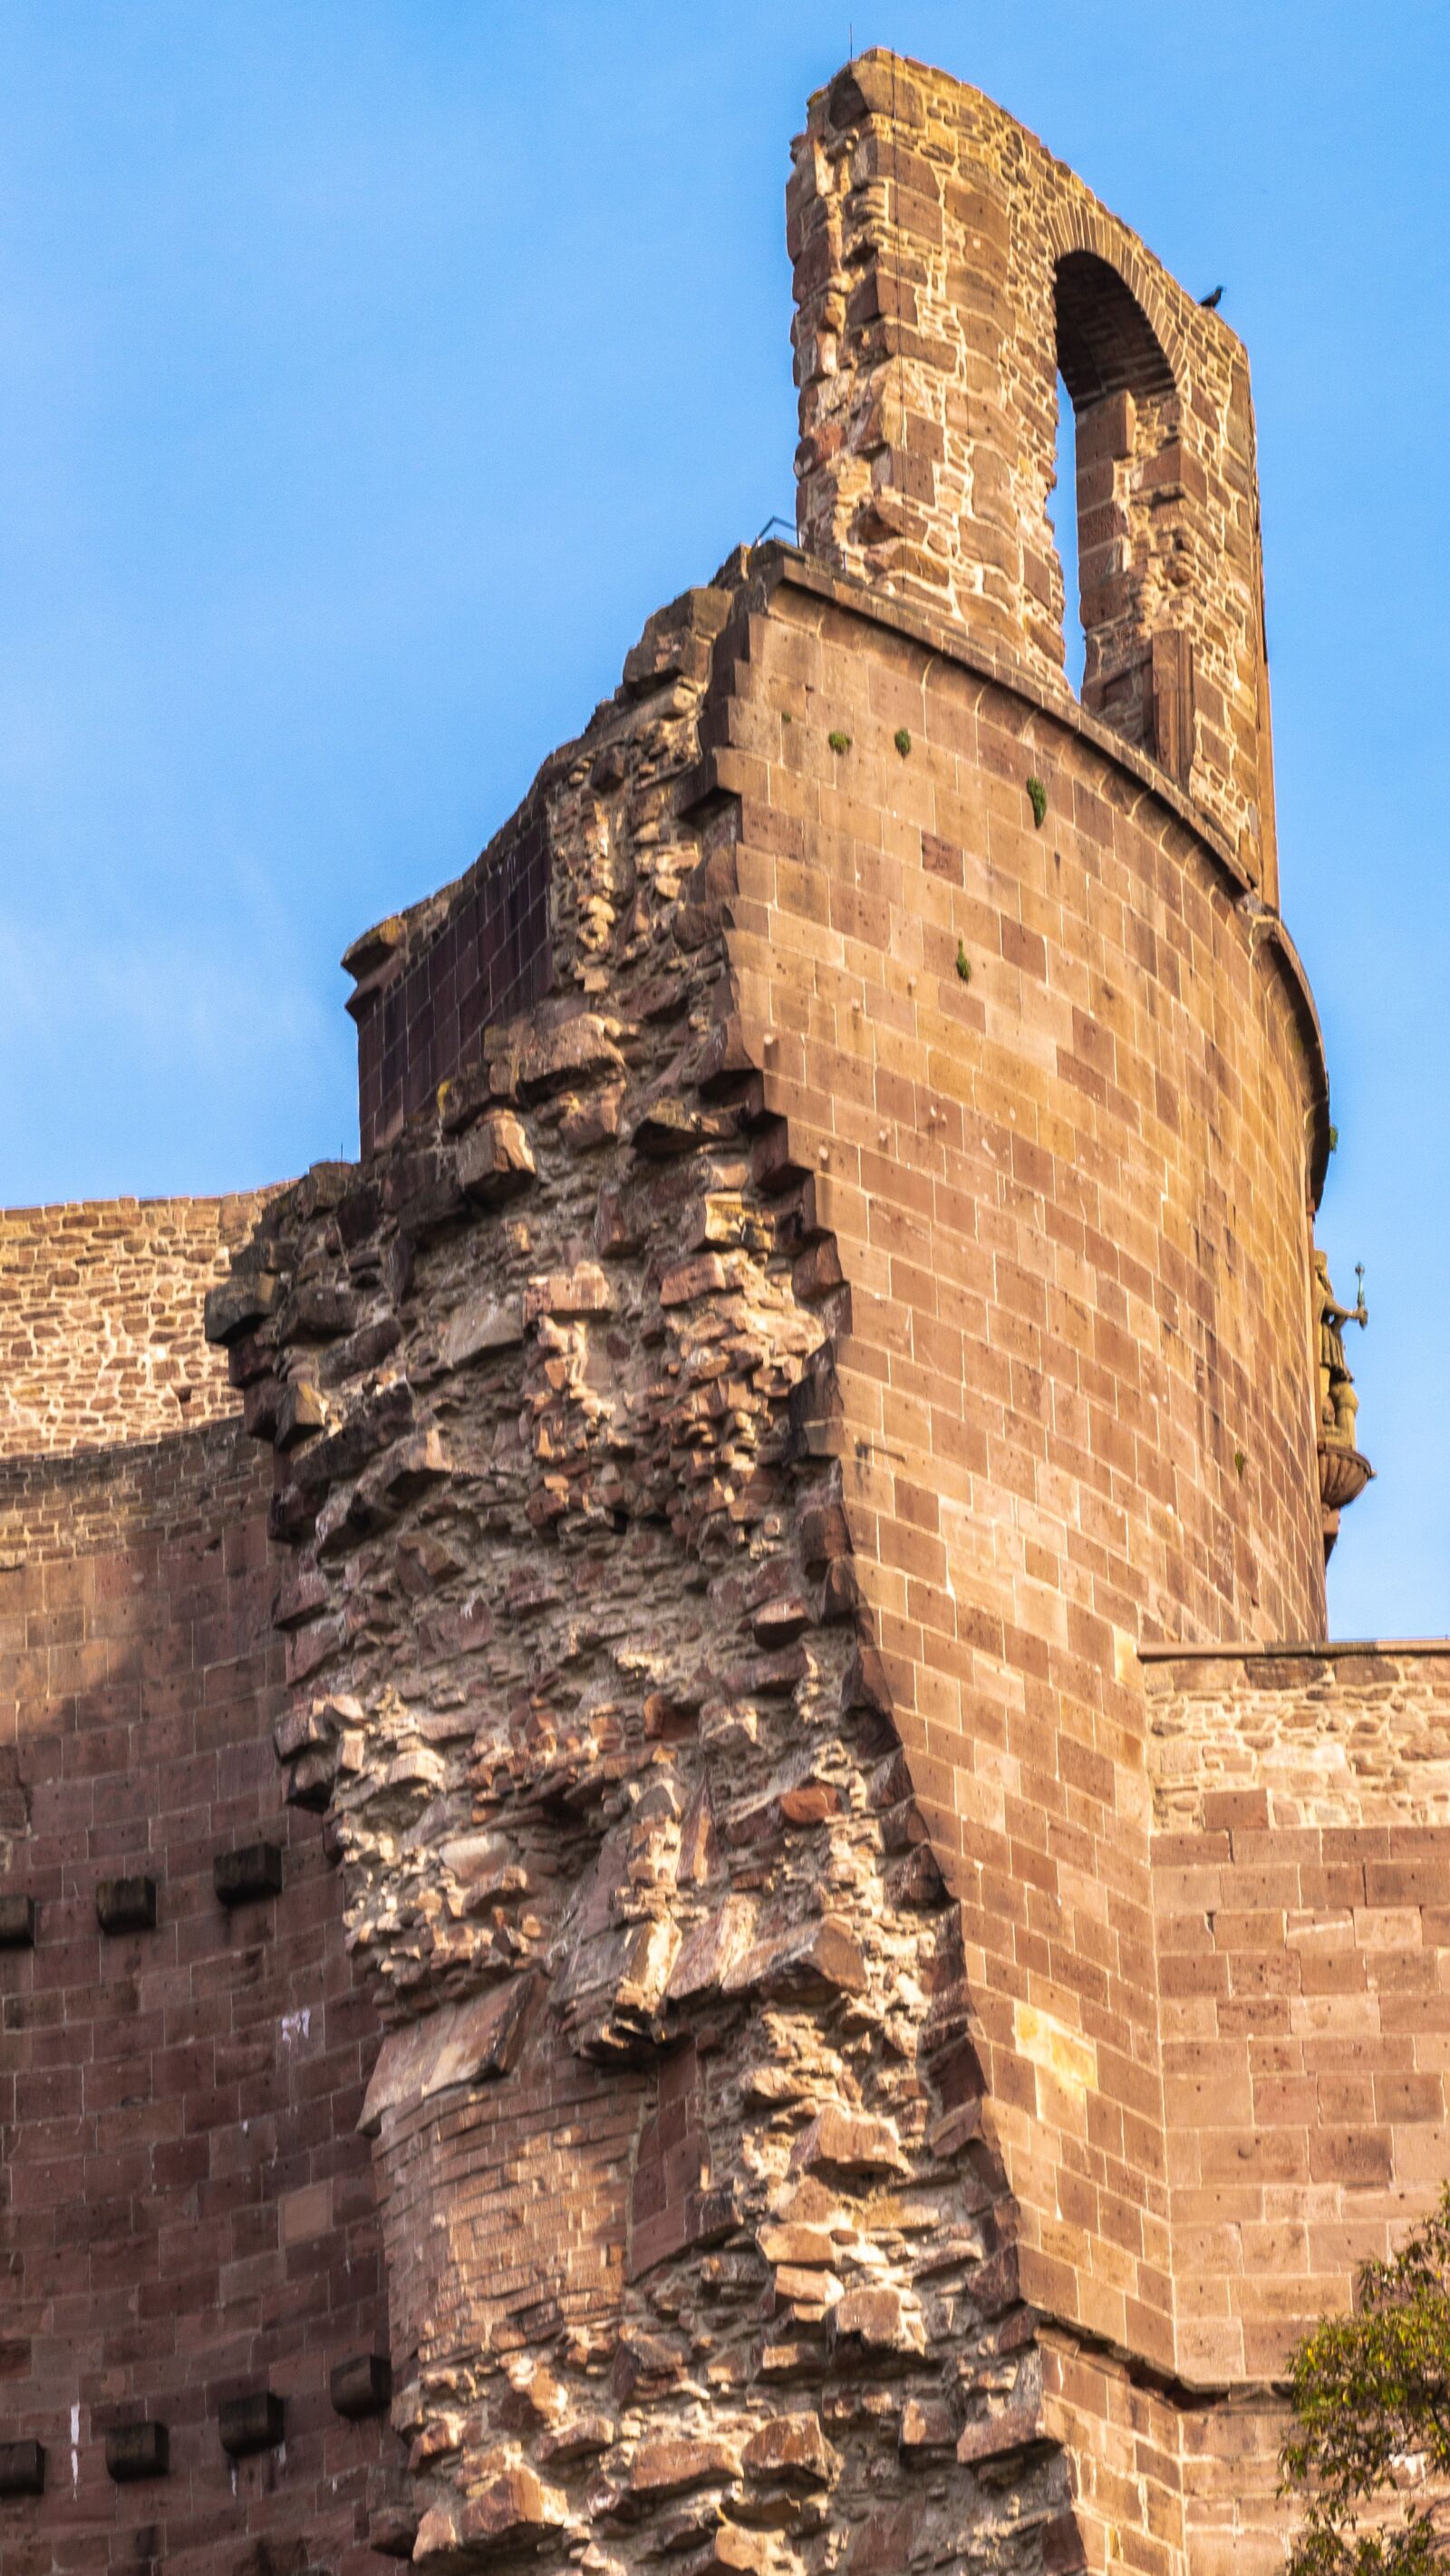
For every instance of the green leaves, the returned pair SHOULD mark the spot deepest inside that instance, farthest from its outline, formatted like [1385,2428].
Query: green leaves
[1370,2438]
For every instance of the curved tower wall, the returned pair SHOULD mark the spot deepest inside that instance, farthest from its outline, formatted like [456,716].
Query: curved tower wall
[1067,1187]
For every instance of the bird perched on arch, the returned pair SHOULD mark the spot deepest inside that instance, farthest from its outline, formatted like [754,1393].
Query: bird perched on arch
[1212,301]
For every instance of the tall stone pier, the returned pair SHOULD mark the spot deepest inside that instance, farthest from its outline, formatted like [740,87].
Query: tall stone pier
[901,1968]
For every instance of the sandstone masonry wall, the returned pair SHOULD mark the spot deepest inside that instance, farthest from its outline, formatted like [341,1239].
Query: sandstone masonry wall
[1067,1194]
[1303,1810]
[689,2217]
[186,2209]
[1051,1391]
[891,1996]
[428,982]
[100,1325]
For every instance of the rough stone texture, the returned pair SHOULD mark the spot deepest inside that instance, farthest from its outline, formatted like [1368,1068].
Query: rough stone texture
[689,2217]
[891,1993]
[783,1376]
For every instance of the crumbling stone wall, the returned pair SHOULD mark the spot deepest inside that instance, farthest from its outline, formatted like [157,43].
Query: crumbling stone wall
[954,1326]
[656,1434]
[690,2221]
[883,2029]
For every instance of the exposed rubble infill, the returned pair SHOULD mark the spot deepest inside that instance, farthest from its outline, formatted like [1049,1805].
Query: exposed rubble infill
[697,2253]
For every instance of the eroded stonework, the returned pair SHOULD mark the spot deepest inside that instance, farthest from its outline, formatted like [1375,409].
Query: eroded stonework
[695,2243]
[890,1970]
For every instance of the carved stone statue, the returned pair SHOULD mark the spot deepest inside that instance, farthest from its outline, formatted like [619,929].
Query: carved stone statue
[1338,1403]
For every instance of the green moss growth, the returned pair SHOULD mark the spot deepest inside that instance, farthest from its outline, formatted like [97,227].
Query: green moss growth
[1037,797]
[902,740]
[839,741]
[964,963]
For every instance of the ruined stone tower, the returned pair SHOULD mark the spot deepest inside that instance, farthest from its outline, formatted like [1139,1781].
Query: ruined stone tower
[879,1968]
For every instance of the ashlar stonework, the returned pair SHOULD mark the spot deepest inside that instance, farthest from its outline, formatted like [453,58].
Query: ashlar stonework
[877,1967]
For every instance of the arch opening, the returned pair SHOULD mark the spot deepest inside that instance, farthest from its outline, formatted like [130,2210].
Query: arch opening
[1120,463]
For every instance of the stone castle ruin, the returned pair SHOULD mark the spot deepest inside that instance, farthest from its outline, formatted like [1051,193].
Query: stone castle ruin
[833,1967]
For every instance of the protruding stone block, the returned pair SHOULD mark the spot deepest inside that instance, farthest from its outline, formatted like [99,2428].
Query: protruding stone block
[362,2386]
[252,2423]
[22,2468]
[793,2449]
[243,1876]
[137,2451]
[239,1304]
[495,1162]
[309,1781]
[126,1904]
[17,1922]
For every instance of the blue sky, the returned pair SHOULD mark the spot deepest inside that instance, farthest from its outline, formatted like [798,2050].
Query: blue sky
[369,370]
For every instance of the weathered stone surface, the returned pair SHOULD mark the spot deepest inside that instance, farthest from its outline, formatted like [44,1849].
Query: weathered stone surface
[238,1304]
[848,2142]
[462,2043]
[495,1162]
[858,2069]
[651,2114]
[793,2448]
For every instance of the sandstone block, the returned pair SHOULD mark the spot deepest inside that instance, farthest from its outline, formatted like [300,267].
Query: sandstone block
[792,2449]
[362,2386]
[249,1873]
[22,2468]
[17,1922]
[495,1161]
[464,2043]
[848,2142]
[256,2422]
[126,1905]
[239,1304]
[877,2321]
[136,2451]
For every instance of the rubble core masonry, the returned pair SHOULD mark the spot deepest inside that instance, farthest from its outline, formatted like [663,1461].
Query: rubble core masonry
[844,1967]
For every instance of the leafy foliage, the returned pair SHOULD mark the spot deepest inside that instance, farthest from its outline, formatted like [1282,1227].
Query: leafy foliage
[1369,2448]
